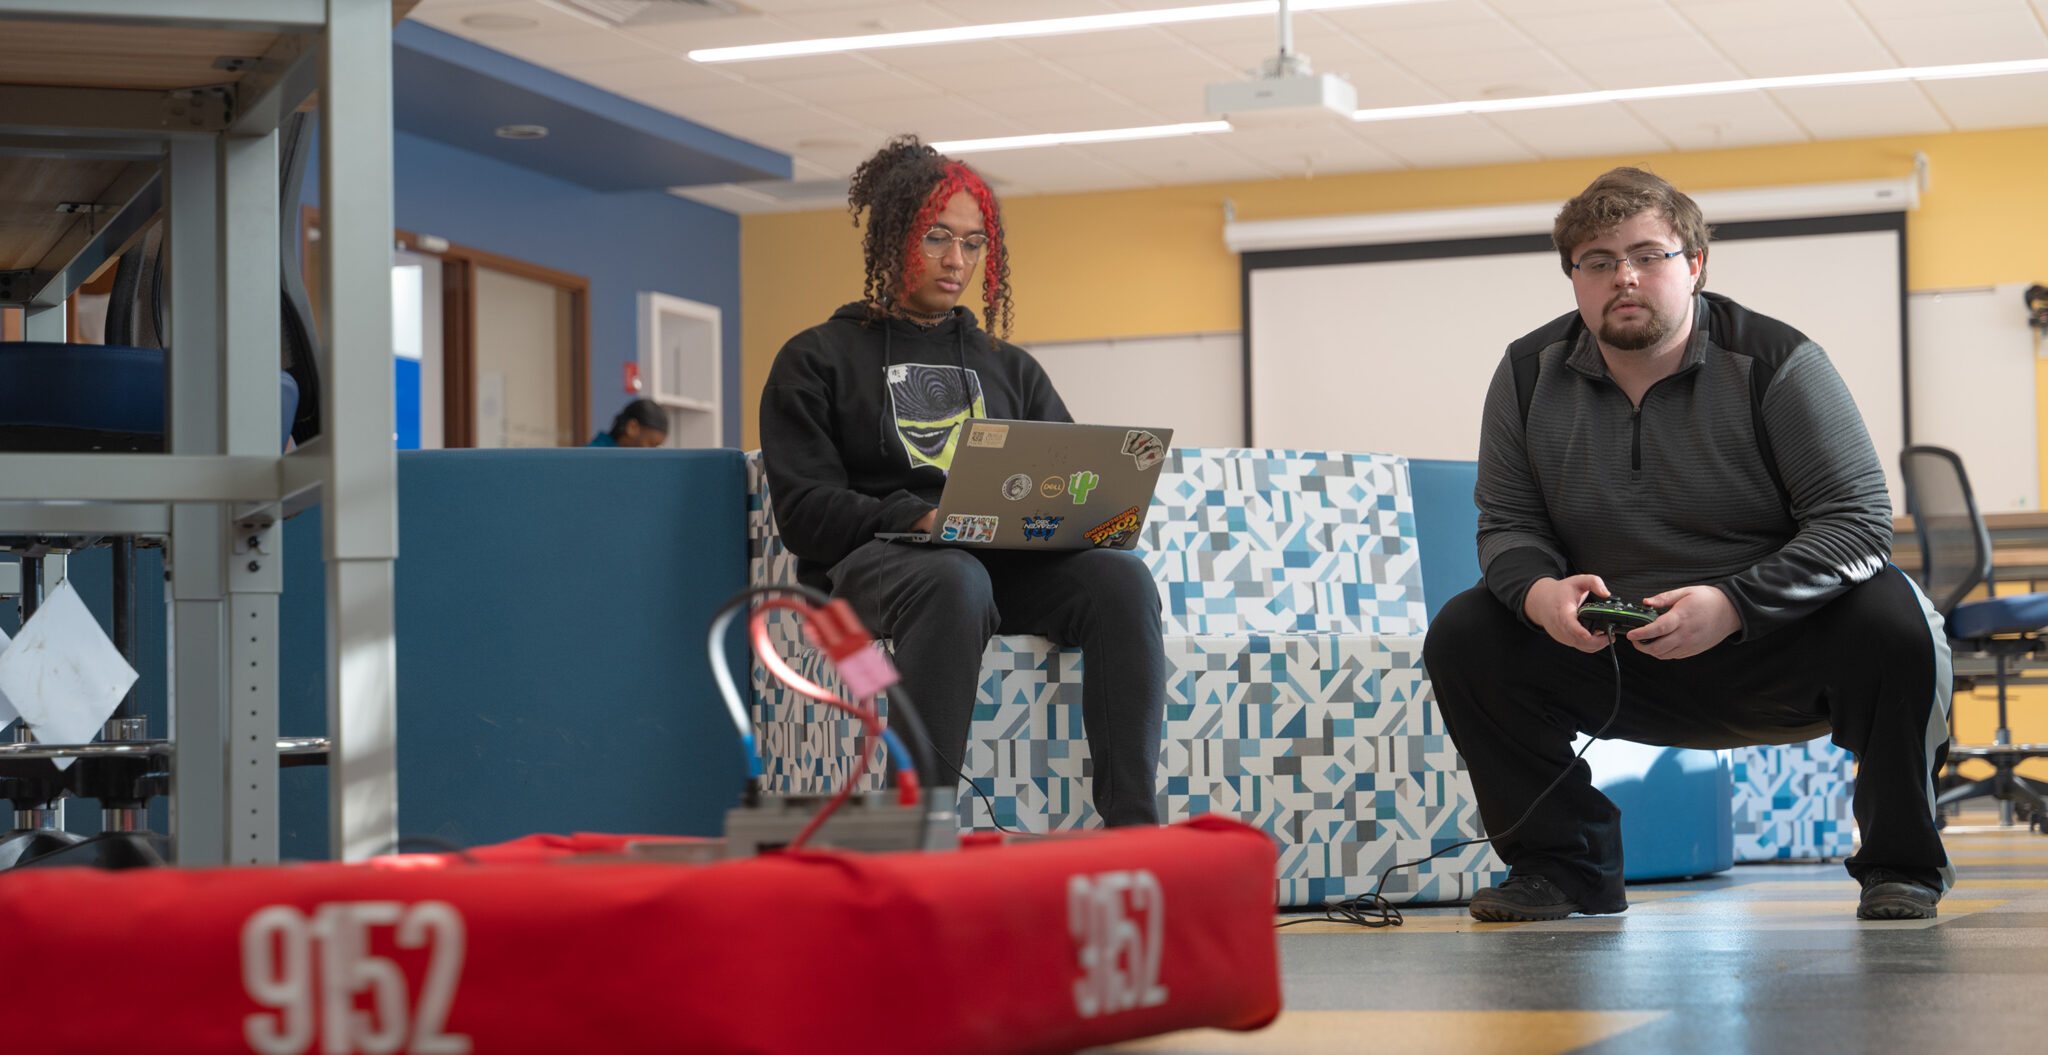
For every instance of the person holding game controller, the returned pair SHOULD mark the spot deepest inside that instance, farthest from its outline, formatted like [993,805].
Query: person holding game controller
[1677,492]
[860,416]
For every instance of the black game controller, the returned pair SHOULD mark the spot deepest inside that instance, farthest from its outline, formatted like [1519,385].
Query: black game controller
[1598,614]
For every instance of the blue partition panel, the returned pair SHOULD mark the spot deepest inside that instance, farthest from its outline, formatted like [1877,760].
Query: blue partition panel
[552,675]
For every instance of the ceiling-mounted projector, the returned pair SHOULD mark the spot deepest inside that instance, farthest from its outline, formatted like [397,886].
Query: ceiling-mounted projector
[1284,100]
[1284,92]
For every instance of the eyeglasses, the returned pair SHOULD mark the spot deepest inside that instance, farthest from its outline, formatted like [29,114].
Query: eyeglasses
[1647,261]
[938,239]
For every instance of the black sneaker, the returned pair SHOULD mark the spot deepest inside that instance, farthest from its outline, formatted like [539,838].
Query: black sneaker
[1528,898]
[1889,895]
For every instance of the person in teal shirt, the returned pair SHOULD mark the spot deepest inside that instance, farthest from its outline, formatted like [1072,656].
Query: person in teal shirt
[642,424]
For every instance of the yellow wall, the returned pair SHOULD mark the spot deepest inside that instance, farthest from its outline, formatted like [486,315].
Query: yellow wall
[1152,262]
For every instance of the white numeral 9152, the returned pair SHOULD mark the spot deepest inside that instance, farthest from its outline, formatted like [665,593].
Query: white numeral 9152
[285,952]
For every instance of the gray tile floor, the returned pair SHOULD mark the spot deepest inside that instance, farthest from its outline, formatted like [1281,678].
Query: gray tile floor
[1764,958]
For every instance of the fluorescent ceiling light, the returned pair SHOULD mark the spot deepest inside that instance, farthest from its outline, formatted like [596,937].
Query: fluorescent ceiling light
[1043,27]
[1675,91]
[1102,135]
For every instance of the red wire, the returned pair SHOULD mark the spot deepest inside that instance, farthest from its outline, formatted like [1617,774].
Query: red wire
[871,722]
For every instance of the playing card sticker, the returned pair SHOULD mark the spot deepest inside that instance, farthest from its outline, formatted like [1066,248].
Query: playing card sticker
[1144,448]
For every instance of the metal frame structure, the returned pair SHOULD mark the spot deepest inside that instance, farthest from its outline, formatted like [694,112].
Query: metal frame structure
[206,159]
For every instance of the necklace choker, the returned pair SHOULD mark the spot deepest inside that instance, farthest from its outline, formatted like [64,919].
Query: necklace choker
[921,318]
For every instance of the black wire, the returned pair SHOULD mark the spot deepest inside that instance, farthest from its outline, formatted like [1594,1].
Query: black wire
[897,693]
[1373,910]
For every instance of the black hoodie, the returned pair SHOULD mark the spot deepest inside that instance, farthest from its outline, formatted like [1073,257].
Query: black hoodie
[859,420]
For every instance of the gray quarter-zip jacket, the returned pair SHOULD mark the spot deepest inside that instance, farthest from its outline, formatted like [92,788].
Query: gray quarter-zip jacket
[1676,492]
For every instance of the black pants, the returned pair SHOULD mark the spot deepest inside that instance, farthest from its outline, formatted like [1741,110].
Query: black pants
[1869,667]
[941,604]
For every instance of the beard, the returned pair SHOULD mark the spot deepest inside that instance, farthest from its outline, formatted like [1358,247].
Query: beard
[1648,332]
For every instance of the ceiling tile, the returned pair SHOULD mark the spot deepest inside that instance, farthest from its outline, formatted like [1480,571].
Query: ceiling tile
[1619,27]
[1503,75]
[1395,55]
[1938,38]
[1862,110]
[701,101]
[859,20]
[1438,142]
[713,33]
[1033,105]
[869,86]
[937,119]
[654,72]
[1581,131]
[800,67]
[1185,159]
[1144,38]
[1047,171]
[1718,122]
[983,12]
[1174,65]
[1391,17]
[786,127]
[786,7]
[545,21]
[1774,38]
[1992,102]
[1876,9]
[1294,154]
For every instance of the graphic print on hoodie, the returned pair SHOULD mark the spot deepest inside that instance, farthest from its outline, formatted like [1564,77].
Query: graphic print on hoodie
[931,403]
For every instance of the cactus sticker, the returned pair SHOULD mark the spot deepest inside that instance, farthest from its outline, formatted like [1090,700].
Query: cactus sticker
[1080,484]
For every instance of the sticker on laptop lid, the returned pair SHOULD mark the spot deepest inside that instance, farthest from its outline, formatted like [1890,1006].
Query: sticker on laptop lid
[987,435]
[1053,486]
[1080,484]
[1017,488]
[968,527]
[1144,448]
[1118,531]
[1040,529]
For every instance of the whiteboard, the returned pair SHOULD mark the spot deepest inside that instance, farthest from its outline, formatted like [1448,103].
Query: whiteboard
[1400,352]
[1192,384]
[1973,389]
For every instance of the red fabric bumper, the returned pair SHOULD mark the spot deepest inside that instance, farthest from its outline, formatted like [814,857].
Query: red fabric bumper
[1041,945]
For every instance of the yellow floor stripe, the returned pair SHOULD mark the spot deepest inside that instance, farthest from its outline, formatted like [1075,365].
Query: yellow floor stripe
[1436,1032]
[1690,916]
[1997,857]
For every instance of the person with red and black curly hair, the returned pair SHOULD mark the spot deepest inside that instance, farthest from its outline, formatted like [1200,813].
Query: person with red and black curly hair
[859,420]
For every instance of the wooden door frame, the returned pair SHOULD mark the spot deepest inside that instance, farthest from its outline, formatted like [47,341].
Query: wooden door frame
[458,326]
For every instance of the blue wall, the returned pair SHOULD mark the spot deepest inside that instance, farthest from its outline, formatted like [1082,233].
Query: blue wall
[624,242]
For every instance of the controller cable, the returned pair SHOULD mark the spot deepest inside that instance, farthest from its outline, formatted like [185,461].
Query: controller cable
[1373,910]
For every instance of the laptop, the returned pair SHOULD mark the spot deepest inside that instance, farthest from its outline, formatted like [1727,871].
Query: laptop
[1046,485]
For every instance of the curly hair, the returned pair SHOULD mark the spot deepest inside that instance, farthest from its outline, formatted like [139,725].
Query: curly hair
[902,188]
[1609,201]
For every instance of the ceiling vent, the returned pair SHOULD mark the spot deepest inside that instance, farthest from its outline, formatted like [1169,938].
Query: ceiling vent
[658,12]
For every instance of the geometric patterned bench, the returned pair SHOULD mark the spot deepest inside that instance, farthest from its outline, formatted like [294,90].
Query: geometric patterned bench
[1293,605]
[1792,802]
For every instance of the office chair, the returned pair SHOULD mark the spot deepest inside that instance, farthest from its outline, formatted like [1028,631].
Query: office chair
[1955,559]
